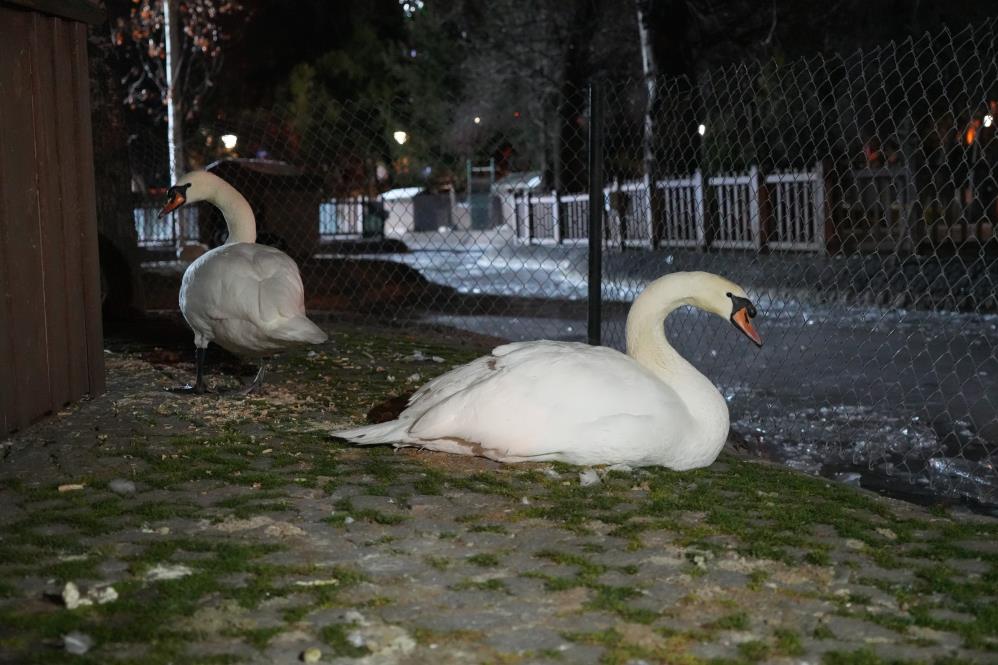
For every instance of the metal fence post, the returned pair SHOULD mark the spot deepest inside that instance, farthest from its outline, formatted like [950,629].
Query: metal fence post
[819,208]
[755,220]
[530,220]
[556,216]
[595,302]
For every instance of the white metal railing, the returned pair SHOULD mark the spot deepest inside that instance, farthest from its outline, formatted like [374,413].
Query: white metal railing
[797,210]
[542,218]
[564,218]
[574,217]
[170,231]
[341,217]
[737,210]
[628,213]
[741,210]
[683,211]
[784,210]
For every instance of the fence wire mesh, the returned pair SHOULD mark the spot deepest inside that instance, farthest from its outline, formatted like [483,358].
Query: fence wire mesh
[853,196]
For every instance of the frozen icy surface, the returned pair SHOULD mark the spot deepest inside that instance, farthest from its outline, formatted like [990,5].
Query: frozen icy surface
[905,399]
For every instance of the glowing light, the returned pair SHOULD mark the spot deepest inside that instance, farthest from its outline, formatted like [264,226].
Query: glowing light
[410,7]
[400,137]
[478,120]
[988,120]
[701,129]
[229,141]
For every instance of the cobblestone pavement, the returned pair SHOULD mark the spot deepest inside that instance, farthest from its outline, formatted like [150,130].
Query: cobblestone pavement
[148,527]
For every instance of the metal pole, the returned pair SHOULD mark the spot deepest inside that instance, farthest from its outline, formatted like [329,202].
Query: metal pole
[595,213]
[467,194]
[174,114]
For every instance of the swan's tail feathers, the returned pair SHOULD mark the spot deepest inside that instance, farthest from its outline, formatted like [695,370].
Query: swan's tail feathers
[392,431]
[300,330]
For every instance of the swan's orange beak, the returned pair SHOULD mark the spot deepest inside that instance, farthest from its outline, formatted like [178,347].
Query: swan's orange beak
[176,198]
[741,320]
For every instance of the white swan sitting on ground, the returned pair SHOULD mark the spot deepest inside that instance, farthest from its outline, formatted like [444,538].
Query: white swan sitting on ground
[570,402]
[247,298]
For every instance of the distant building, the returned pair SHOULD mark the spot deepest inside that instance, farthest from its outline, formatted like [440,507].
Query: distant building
[509,188]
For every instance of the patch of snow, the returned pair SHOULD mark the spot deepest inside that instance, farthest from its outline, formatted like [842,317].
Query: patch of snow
[167,571]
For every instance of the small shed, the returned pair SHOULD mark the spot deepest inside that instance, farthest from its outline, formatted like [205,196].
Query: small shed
[512,187]
[431,212]
[51,341]
[285,201]
[399,207]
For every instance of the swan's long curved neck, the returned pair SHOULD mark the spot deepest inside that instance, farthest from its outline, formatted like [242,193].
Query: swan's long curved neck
[237,212]
[648,345]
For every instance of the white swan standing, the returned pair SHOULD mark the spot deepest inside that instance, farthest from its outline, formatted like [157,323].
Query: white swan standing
[247,298]
[570,402]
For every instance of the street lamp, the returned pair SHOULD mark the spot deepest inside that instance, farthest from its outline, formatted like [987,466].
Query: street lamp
[400,137]
[478,120]
[701,129]
[229,141]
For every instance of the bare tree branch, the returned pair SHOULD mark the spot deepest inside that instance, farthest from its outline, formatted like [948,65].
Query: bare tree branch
[139,36]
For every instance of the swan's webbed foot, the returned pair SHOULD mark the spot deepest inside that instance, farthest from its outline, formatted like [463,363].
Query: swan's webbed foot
[197,389]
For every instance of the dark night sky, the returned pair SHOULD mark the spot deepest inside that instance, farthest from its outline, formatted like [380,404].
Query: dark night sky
[274,35]
[271,37]
[693,35]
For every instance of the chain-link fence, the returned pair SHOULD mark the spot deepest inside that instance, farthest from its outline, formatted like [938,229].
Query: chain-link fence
[854,197]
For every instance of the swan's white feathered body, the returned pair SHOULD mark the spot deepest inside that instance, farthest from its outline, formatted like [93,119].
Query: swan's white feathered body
[571,402]
[245,297]
[248,299]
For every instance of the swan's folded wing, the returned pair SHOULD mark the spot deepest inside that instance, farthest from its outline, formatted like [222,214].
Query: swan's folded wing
[281,294]
[536,398]
[483,368]
[459,378]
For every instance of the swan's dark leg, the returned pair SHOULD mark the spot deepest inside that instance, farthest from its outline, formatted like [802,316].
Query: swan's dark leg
[199,387]
[257,381]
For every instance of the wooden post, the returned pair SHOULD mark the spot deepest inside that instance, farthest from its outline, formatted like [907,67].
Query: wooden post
[754,213]
[556,216]
[517,227]
[594,300]
[650,191]
[530,220]
[819,209]
[699,213]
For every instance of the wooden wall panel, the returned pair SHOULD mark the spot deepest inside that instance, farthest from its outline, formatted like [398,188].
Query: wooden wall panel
[48,175]
[51,344]
[68,184]
[6,341]
[23,252]
[89,254]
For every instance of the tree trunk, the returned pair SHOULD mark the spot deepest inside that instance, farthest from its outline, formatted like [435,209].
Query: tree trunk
[555,143]
[573,100]
[652,203]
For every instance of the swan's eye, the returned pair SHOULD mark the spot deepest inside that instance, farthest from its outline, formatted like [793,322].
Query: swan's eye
[178,190]
[739,303]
